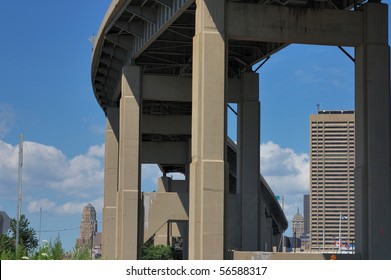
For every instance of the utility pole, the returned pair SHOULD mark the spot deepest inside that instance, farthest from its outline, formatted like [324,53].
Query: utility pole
[20,172]
[40,225]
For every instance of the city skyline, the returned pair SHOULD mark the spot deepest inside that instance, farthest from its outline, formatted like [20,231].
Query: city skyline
[46,94]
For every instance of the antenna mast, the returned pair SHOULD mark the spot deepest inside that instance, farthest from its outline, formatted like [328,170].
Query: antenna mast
[20,172]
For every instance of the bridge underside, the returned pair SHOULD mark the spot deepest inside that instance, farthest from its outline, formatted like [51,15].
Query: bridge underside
[163,71]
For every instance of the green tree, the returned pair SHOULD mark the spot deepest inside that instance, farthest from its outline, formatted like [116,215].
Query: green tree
[157,252]
[149,251]
[27,240]
[27,235]
[8,251]
[6,247]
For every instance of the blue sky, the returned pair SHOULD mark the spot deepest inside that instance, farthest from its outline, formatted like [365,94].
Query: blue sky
[46,93]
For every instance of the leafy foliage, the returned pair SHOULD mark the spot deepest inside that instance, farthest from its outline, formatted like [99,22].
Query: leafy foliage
[149,251]
[28,246]
[27,240]
[177,248]
[50,251]
[80,253]
[27,235]
[157,252]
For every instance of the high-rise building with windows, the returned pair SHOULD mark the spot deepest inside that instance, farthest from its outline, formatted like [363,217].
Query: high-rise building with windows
[307,215]
[332,163]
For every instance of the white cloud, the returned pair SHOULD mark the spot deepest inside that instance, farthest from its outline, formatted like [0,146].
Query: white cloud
[284,170]
[81,175]
[76,208]
[8,170]
[68,208]
[287,173]
[7,116]
[96,151]
[149,175]
[36,205]
[46,168]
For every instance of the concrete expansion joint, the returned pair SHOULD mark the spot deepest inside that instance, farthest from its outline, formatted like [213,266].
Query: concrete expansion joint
[210,32]
[212,160]
[212,190]
[130,191]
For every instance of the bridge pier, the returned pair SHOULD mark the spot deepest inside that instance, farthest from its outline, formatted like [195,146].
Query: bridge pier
[373,158]
[129,193]
[208,170]
[109,212]
[248,162]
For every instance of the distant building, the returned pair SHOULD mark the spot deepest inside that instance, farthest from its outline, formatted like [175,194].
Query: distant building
[298,225]
[89,235]
[332,163]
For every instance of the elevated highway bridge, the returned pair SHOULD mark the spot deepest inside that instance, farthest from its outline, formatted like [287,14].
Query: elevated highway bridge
[163,72]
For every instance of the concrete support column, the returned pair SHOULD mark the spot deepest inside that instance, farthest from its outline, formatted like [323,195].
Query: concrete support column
[248,161]
[128,227]
[208,168]
[162,236]
[267,245]
[109,218]
[372,174]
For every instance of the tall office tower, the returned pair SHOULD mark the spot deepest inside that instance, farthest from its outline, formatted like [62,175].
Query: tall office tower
[306,207]
[88,225]
[332,180]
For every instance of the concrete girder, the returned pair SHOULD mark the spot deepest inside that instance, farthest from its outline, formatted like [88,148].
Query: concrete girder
[166,124]
[294,25]
[164,153]
[172,88]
